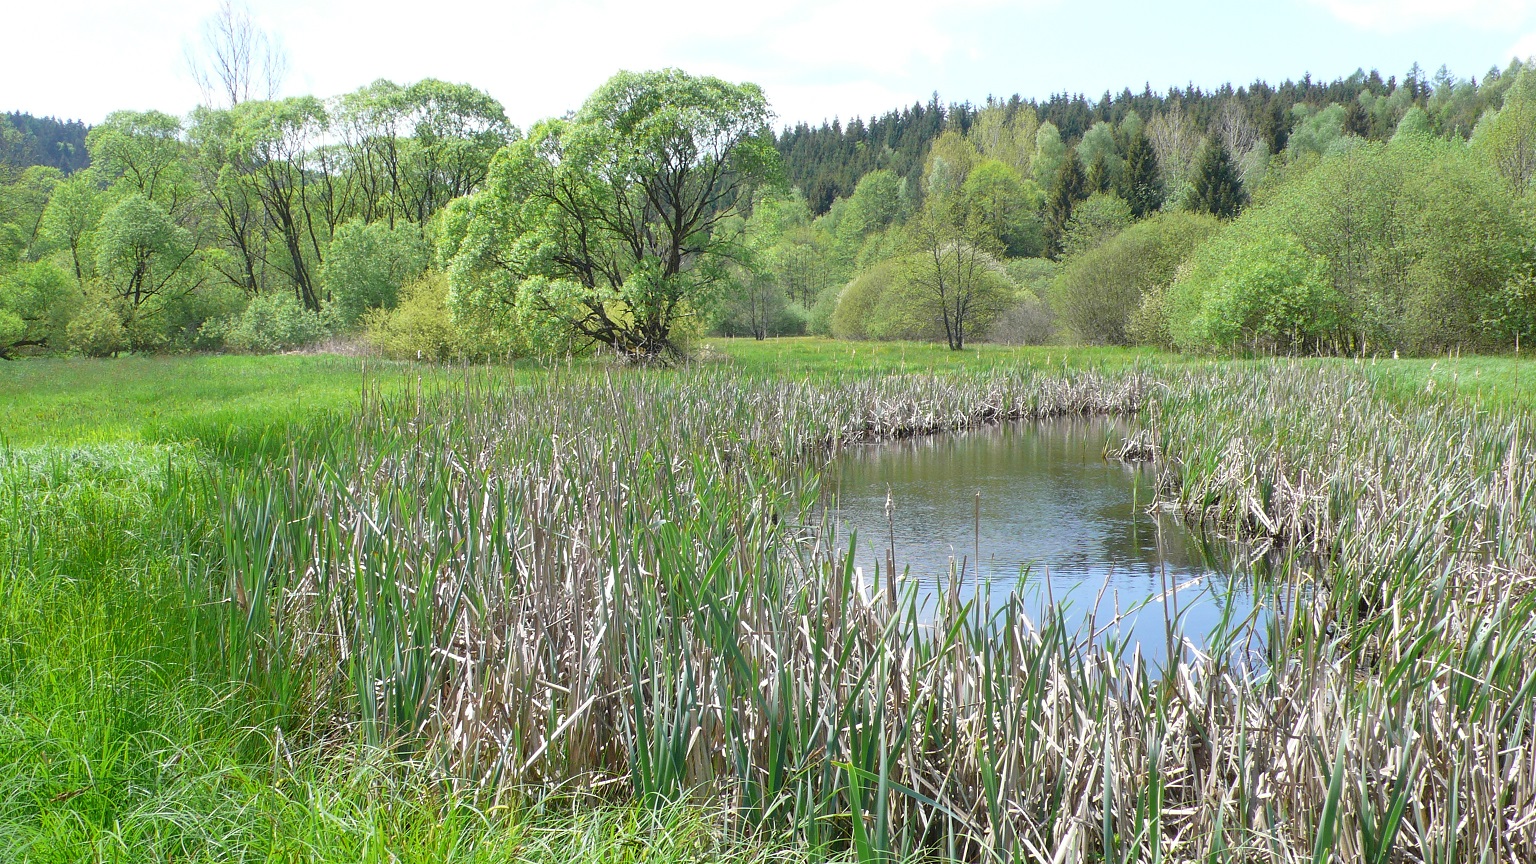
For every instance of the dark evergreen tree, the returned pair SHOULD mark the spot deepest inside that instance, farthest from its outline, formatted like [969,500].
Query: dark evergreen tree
[1098,174]
[1142,184]
[1070,187]
[1218,188]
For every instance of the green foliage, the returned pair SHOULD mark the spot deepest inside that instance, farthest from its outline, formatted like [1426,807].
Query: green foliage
[1142,182]
[1068,188]
[422,327]
[1507,136]
[1270,292]
[274,322]
[607,224]
[367,264]
[869,307]
[140,250]
[1317,133]
[1096,219]
[1006,207]
[97,329]
[1100,290]
[1100,152]
[38,301]
[70,219]
[1049,154]
[1416,242]
[1218,190]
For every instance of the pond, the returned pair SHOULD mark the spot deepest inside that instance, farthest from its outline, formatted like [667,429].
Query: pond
[1053,513]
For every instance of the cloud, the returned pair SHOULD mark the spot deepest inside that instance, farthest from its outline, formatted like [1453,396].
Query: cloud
[1396,16]
[1524,47]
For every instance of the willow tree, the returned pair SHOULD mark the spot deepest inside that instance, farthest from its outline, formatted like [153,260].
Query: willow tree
[614,224]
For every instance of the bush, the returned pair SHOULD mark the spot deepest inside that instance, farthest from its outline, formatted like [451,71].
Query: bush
[97,330]
[858,300]
[1417,241]
[274,322]
[368,263]
[876,304]
[1093,222]
[1099,291]
[37,302]
[1029,321]
[421,326]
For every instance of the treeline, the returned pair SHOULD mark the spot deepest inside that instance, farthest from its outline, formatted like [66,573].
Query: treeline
[26,141]
[827,161]
[259,226]
[1256,219]
[417,218]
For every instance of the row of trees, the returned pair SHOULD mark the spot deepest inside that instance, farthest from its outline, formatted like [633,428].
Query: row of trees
[661,209]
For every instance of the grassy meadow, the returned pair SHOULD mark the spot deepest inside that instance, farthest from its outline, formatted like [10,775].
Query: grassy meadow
[308,608]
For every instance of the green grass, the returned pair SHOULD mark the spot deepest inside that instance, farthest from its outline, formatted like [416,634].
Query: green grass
[792,357]
[68,401]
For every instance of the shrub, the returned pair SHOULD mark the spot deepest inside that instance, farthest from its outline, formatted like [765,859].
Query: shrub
[1094,221]
[1100,290]
[422,327]
[37,302]
[97,330]
[273,322]
[368,263]
[1417,241]
[1029,321]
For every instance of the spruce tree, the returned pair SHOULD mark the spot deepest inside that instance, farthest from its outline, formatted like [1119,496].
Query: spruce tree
[1142,185]
[1071,186]
[1218,188]
[1098,174]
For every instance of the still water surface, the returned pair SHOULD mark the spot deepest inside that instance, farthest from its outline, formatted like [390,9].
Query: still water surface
[1054,512]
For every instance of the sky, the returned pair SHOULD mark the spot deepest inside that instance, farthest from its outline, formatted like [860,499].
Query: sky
[815,59]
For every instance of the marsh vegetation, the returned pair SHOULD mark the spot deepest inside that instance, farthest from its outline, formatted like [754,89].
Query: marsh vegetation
[611,586]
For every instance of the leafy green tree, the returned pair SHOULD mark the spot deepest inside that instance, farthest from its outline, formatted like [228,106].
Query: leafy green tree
[949,162]
[1507,136]
[143,153]
[1007,136]
[273,148]
[37,301]
[1100,291]
[1006,207]
[1050,153]
[1417,239]
[1096,219]
[1414,122]
[1218,189]
[368,263]
[1317,133]
[413,149]
[1069,187]
[73,211]
[1142,183]
[607,224]
[144,257]
[1100,152]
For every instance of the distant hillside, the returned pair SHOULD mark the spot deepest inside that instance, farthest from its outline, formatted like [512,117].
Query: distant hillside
[26,140]
[827,161]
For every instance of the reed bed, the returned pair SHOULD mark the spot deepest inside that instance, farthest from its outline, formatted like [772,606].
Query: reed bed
[616,585]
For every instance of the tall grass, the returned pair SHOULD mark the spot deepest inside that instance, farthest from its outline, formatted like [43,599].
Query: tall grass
[616,585]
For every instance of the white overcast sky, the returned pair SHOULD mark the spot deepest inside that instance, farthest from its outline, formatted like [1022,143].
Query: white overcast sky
[84,58]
